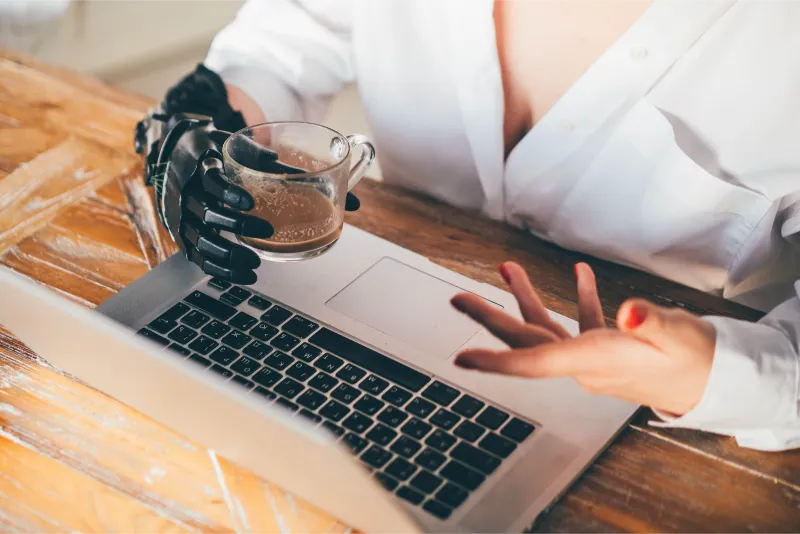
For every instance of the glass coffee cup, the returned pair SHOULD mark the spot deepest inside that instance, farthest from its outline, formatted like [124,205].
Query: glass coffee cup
[299,174]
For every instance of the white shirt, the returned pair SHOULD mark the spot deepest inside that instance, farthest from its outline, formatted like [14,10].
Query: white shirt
[677,152]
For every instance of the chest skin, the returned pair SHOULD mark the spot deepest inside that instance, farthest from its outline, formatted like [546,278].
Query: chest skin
[545,46]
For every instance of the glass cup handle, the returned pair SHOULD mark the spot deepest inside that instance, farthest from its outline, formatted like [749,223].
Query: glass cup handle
[367,157]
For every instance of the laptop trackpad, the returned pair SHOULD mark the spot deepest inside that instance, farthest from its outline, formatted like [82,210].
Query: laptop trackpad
[408,305]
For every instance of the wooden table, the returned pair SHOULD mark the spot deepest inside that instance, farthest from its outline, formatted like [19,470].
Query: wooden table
[75,216]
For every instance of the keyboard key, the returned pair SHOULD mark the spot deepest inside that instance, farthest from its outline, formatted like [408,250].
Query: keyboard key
[236,339]
[376,457]
[440,393]
[452,495]
[356,443]
[259,303]
[416,429]
[333,428]
[468,406]
[222,371]
[245,366]
[493,443]
[216,329]
[425,482]
[230,299]
[374,385]
[239,292]
[437,509]
[265,393]
[266,377]
[257,350]
[388,482]
[440,440]
[430,459]
[175,312]
[517,429]
[162,326]
[289,405]
[400,469]
[334,411]
[462,475]
[492,418]
[182,335]
[243,321]
[300,371]
[196,358]
[323,382]
[300,326]
[224,355]
[444,419]
[311,399]
[475,458]
[289,388]
[329,363]
[392,416]
[351,373]
[369,359]
[311,416]
[410,495]
[357,422]
[345,393]
[397,396]
[421,408]
[278,360]
[469,431]
[179,349]
[306,352]
[210,305]
[284,342]
[203,345]
[195,319]
[276,315]
[381,435]
[405,447]
[368,404]
[217,283]
[243,382]
[263,331]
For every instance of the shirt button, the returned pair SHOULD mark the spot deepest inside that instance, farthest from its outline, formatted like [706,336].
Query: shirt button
[638,52]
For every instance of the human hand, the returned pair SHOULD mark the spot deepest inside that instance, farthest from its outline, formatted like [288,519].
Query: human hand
[657,357]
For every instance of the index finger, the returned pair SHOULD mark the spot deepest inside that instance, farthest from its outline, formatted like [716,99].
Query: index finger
[570,357]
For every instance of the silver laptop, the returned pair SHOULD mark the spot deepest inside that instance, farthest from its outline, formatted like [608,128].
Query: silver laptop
[334,379]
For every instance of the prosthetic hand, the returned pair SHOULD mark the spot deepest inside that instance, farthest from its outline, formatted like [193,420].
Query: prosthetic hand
[181,139]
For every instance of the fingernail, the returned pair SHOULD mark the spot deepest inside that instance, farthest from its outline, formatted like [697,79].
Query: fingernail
[457,304]
[504,273]
[575,269]
[636,316]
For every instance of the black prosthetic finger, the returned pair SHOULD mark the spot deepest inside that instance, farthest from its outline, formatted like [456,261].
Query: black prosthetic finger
[205,208]
[215,247]
[352,203]
[236,276]
[215,183]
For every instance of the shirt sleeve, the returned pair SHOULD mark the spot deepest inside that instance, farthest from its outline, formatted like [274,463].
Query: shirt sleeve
[753,390]
[289,56]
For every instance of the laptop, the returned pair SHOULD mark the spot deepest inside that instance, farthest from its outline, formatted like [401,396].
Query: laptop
[334,379]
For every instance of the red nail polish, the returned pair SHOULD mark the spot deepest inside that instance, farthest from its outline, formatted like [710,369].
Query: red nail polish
[575,269]
[457,304]
[635,317]
[504,273]
[464,363]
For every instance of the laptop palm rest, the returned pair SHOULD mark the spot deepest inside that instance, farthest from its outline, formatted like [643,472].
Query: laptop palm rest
[409,305]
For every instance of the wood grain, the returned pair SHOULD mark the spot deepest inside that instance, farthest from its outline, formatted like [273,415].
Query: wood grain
[74,459]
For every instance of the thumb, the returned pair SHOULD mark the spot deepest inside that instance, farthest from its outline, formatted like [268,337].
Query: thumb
[661,327]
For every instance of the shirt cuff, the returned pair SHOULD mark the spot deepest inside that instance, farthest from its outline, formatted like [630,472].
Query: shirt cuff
[752,387]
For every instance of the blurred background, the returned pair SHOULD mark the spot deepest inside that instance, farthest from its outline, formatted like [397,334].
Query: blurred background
[144,46]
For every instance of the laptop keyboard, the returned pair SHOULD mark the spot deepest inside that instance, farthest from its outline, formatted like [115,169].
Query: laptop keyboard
[430,443]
